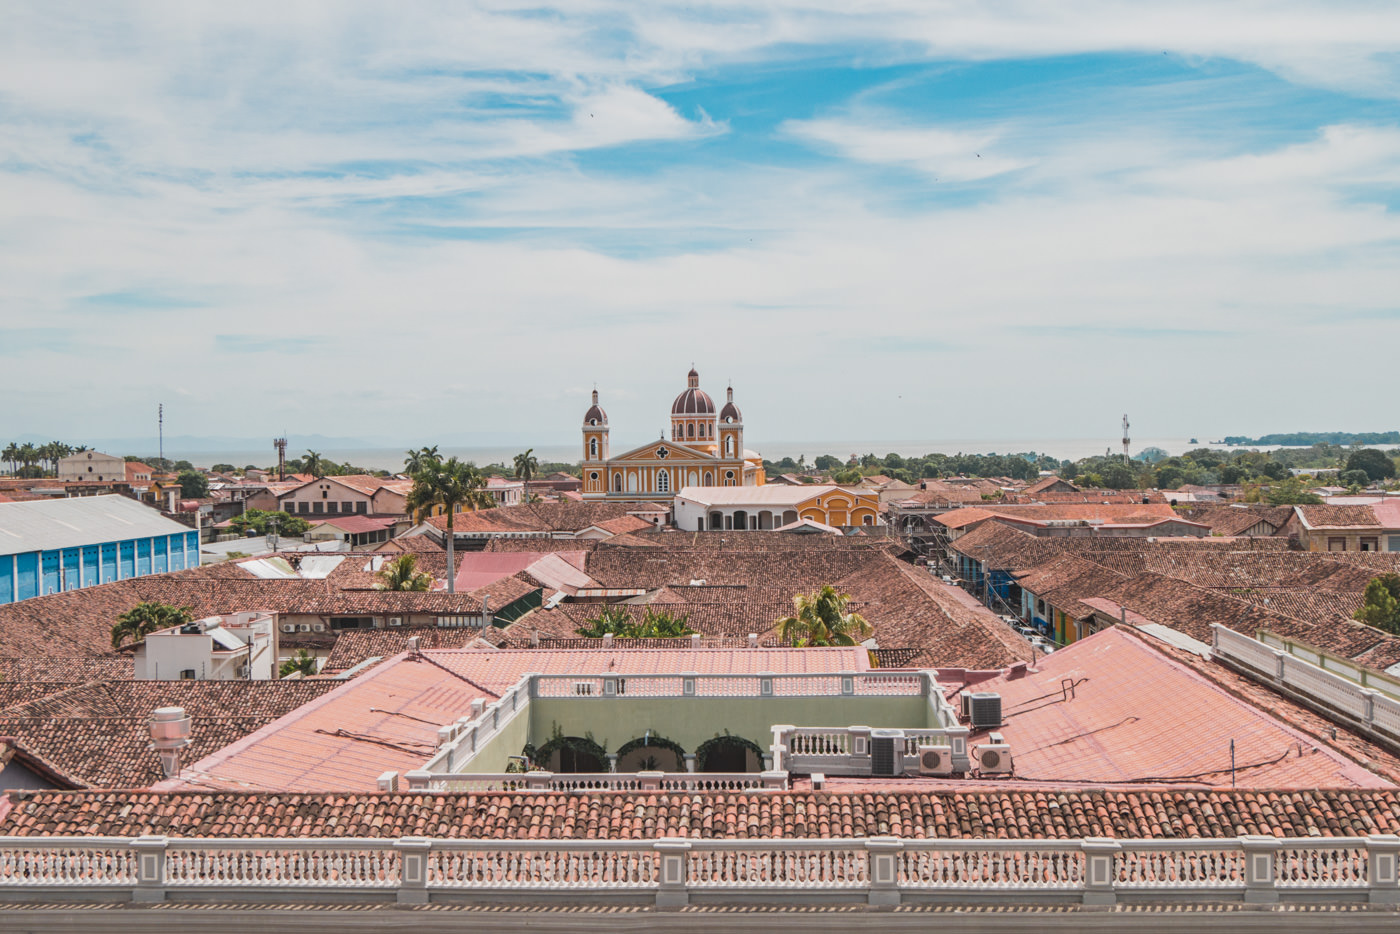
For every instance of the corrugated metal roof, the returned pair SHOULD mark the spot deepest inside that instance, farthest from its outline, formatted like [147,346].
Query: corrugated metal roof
[83,520]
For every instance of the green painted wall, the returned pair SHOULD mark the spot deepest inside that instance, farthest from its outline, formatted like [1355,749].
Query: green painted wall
[690,721]
[491,756]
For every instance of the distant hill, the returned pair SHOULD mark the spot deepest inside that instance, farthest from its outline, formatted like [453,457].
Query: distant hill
[1307,438]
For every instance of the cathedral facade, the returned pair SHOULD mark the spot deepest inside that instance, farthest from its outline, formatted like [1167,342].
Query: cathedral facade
[705,448]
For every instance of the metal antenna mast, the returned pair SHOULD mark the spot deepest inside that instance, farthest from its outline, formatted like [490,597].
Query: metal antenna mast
[1125,438]
[160,431]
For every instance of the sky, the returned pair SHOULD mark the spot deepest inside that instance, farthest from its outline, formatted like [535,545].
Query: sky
[419,222]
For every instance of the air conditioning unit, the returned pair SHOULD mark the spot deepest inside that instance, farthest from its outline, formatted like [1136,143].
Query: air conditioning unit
[303,627]
[982,709]
[886,752]
[319,627]
[935,760]
[289,627]
[993,758]
[396,621]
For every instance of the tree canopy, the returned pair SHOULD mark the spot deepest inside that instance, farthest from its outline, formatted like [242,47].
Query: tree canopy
[1382,606]
[654,624]
[821,618]
[402,574]
[145,618]
[1378,465]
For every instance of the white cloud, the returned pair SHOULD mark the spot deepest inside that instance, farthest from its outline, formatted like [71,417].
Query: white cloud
[945,154]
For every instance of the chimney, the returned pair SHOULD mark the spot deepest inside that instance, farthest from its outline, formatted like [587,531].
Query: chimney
[170,733]
[485,604]
[607,640]
[753,640]
[695,640]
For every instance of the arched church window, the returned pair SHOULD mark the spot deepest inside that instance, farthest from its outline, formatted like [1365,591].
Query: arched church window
[729,446]
[592,447]
[663,481]
[690,430]
[617,483]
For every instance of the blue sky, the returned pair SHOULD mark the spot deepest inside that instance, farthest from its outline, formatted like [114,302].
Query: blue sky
[893,220]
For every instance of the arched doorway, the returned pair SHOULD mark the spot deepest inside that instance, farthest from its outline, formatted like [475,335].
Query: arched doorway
[728,754]
[571,754]
[651,753]
[741,519]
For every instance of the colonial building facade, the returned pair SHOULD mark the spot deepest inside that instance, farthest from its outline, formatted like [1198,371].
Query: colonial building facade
[705,448]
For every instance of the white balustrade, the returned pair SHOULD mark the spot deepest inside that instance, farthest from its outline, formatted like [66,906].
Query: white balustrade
[67,861]
[881,870]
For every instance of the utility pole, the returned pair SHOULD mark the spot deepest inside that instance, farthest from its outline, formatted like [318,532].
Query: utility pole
[160,431]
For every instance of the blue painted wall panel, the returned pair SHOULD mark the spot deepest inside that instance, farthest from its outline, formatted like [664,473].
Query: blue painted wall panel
[7,579]
[177,552]
[71,579]
[51,579]
[91,569]
[127,566]
[109,562]
[27,575]
[161,563]
[143,557]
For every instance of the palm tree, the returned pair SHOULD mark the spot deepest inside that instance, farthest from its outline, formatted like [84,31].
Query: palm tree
[11,456]
[526,467]
[821,619]
[312,464]
[450,484]
[28,455]
[417,460]
[145,618]
[402,574]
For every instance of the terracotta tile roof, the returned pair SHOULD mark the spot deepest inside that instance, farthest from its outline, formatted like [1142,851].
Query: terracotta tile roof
[1111,514]
[1235,520]
[1048,484]
[1134,715]
[1067,580]
[536,517]
[69,669]
[934,813]
[103,698]
[1339,517]
[1311,606]
[111,752]
[356,645]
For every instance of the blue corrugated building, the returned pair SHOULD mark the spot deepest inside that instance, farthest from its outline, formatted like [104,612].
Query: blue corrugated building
[63,544]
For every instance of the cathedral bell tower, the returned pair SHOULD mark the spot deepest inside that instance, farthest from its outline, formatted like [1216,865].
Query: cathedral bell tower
[731,429]
[595,448]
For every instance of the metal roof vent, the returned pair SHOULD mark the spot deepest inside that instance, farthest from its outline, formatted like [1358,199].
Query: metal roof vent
[170,733]
[983,709]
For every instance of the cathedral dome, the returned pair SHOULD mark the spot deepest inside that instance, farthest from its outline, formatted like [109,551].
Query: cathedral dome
[595,415]
[694,401]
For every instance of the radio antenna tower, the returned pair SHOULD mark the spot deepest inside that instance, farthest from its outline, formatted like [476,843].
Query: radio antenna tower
[281,445]
[1125,439]
[160,431]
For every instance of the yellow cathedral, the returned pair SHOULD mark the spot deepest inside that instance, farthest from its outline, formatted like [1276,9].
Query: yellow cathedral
[706,448]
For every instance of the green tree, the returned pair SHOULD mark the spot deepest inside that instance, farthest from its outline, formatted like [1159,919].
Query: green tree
[314,464]
[1119,476]
[654,624]
[825,462]
[451,485]
[1290,492]
[1382,606]
[850,476]
[262,522]
[1377,464]
[303,662]
[193,485]
[145,618]
[822,619]
[417,460]
[402,574]
[526,468]
[11,456]
[223,468]
[1354,478]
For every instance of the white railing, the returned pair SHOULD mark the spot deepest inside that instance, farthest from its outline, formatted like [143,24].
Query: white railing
[1335,692]
[675,871]
[763,684]
[847,750]
[458,743]
[1366,677]
[595,781]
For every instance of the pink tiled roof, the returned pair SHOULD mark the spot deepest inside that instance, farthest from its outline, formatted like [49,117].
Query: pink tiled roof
[1111,709]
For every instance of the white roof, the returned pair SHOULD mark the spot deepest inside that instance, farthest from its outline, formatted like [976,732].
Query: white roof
[770,494]
[37,525]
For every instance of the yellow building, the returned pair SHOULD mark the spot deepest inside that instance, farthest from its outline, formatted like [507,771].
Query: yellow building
[774,507]
[706,448]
